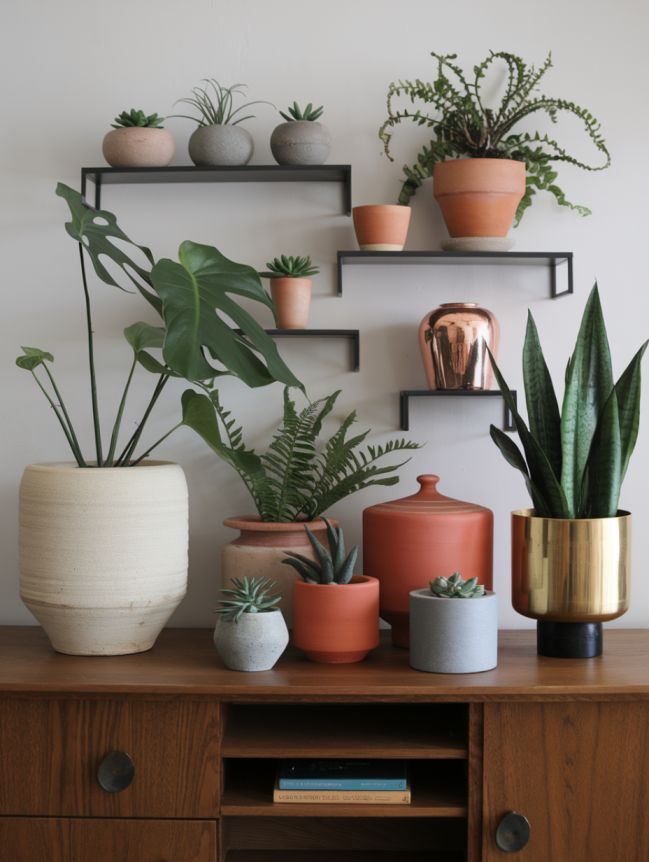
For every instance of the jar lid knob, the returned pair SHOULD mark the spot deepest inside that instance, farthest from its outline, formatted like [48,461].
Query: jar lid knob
[428,481]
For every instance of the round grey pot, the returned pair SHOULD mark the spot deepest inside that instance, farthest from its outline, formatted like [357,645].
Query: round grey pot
[453,635]
[301,142]
[253,643]
[214,146]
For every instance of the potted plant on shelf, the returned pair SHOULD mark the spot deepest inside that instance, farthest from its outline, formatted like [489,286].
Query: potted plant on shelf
[331,624]
[290,287]
[485,168]
[300,140]
[103,540]
[250,633]
[381,227]
[571,553]
[292,484]
[449,636]
[138,140]
[219,140]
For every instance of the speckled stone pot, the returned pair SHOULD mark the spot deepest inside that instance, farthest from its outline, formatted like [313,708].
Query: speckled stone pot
[135,147]
[255,642]
[215,146]
[301,142]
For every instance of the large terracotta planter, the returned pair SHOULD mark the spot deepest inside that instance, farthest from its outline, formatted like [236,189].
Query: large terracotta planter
[103,553]
[135,147]
[260,548]
[479,197]
[408,543]
[381,227]
[292,299]
[336,623]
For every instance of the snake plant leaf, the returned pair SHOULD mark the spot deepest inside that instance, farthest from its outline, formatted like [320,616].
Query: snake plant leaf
[589,384]
[542,407]
[33,357]
[194,295]
[96,230]
[514,457]
[627,392]
[603,472]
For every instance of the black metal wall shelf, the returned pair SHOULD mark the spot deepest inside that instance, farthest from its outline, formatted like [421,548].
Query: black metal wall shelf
[352,335]
[553,260]
[407,394]
[102,176]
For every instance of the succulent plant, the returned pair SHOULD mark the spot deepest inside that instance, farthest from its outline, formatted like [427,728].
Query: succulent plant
[290,267]
[248,596]
[127,119]
[309,114]
[456,587]
[330,566]
[215,102]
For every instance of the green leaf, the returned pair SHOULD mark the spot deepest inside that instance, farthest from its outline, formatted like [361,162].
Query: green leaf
[514,457]
[627,392]
[603,472]
[142,335]
[32,358]
[542,407]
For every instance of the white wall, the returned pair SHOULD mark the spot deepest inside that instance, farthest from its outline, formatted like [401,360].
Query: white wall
[68,67]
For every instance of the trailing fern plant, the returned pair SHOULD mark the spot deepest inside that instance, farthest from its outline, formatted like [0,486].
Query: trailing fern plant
[297,478]
[331,566]
[462,125]
[290,267]
[574,462]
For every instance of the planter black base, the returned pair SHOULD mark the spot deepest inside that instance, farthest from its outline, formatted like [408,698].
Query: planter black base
[569,640]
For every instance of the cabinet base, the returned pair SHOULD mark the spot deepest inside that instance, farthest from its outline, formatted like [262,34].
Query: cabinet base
[569,640]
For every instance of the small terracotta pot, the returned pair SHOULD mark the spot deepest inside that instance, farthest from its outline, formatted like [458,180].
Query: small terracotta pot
[381,227]
[292,298]
[334,623]
[479,197]
[136,147]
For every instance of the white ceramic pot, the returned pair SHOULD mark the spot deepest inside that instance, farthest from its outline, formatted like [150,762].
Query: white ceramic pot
[221,146]
[135,147]
[453,635]
[255,642]
[103,553]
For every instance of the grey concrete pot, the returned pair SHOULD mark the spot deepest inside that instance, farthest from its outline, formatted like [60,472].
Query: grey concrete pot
[215,146]
[253,643]
[301,142]
[453,635]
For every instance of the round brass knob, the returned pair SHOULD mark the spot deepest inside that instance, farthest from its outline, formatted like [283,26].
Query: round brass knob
[115,772]
[513,832]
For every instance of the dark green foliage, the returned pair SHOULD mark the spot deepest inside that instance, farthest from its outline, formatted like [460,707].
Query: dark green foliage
[330,566]
[290,267]
[215,104]
[295,113]
[463,126]
[138,118]
[248,596]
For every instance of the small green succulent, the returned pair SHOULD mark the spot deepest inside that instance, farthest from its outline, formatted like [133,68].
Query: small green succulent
[248,596]
[290,267]
[295,113]
[127,119]
[456,587]
[330,566]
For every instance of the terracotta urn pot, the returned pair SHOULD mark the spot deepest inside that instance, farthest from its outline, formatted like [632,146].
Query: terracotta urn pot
[292,299]
[139,147]
[408,543]
[454,339]
[336,623]
[381,227]
[479,197]
[260,548]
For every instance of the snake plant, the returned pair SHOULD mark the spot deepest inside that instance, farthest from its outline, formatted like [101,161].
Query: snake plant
[290,267]
[247,596]
[574,461]
[127,119]
[331,566]
[456,587]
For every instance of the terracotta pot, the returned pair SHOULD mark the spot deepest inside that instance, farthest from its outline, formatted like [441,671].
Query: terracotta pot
[479,197]
[261,547]
[408,543]
[292,299]
[454,339]
[381,227]
[135,147]
[334,623]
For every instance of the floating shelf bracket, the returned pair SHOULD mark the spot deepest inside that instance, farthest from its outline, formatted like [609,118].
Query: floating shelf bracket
[352,335]
[407,394]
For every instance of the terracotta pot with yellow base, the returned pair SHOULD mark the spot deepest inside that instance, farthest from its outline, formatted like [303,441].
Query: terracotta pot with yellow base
[381,227]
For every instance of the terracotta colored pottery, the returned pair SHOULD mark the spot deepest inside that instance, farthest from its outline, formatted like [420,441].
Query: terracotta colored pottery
[292,298]
[261,547]
[381,227]
[479,197]
[135,147]
[408,543]
[454,339]
[336,623]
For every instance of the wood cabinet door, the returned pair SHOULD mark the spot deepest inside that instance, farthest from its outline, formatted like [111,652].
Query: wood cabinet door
[57,840]
[579,772]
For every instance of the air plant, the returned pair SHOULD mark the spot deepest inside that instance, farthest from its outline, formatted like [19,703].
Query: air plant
[247,596]
[215,104]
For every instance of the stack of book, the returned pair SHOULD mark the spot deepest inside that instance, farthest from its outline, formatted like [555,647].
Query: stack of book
[368,782]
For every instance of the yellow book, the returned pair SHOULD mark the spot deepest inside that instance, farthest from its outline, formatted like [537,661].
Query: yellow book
[343,797]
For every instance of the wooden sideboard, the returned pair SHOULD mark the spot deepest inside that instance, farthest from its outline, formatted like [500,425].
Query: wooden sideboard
[563,743]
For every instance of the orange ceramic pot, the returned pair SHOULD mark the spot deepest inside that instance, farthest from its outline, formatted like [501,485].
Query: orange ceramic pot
[292,298]
[479,197]
[408,543]
[381,227]
[336,623]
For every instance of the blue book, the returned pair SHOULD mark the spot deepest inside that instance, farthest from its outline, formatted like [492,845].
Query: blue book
[343,775]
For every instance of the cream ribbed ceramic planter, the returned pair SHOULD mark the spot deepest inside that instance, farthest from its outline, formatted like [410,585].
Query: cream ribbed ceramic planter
[103,553]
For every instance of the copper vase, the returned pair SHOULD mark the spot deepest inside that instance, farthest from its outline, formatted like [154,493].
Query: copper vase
[454,340]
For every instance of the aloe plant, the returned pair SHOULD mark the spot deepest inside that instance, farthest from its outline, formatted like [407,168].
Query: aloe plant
[456,587]
[290,267]
[295,113]
[574,461]
[247,596]
[331,566]
[127,119]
